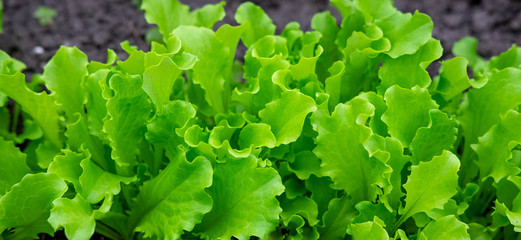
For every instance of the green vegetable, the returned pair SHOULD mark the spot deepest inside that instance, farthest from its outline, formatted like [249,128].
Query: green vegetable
[45,15]
[335,133]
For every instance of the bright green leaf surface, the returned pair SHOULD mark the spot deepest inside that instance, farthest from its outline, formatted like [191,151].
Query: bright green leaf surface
[129,111]
[97,184]
[409,70]
[64,76]
[453,78]
[448,227]
[260,24]
[430,185]
[494,148]
[13,165]
[173,201]
[244,202]
[404,122]
[27,206]
[431,140]
[339,215]
[67,166]
[39,106]
[75,216]
[340,146]
[369,230]
[405,32]
[286,115]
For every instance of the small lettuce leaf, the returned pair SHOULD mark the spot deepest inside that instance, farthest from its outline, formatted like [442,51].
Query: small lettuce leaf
[340,147]
[286,115]
[430,185]
[75,216]
[408,71]
[369,230]
[337,218]
[129,110]
[404,122]
[453,78]
[40,106]
[405,32]
[431,140]
[212,74]
[97,183]
[26,207]
[67,166]
[13,165]
[173,201]
[168,15]
[64,76]
[448,227]
[494,149]
[244,202]
[467,48]
[258,21]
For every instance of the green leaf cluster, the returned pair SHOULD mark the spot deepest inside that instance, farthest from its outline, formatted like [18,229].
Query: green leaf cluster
[334,133]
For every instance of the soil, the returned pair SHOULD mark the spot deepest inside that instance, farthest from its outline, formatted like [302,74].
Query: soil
[95,25]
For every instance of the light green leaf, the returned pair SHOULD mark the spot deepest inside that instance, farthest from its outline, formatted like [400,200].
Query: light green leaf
[286,115]
[326,24]
[64,76]
[97,183]
[376,9]
[430,185]
[129,111]
[369,230]
[404,122]
[158,81]
[167,128]
[408,71]
[67,167]
[75,216]
[40,106]
[244,201]
[340,147]
[173,201]
[27,206]
[300,206]
[448,227]
[485,105]
[259,23]
[510,58]
[96,105]
[467,48]
[453,78]
[367,212]
[405,32]
[494,148]
[257,135]
[166,14]
[208,15]
[13,165]
[213,72]
[431,140]
[338,217]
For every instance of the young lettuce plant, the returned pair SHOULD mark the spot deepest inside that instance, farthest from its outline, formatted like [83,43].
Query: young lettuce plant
[333,133]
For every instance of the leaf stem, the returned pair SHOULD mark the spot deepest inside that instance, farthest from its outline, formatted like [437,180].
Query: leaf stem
[107,231]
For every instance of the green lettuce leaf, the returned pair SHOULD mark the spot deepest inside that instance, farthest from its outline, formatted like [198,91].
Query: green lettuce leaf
[40,106]
[448,227]
[173,201]
[26,207]
[75,216]
[430,185]
[244,202]
[129,111]
[13,165]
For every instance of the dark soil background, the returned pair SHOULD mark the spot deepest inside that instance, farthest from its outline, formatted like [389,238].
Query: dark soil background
[95,25]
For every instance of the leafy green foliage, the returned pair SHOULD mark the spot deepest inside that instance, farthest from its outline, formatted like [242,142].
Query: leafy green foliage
[335,133]
[44,15]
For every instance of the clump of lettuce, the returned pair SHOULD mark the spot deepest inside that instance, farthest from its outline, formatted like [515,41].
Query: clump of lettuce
[334,133]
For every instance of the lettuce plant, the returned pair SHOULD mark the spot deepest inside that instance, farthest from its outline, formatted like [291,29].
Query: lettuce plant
[334,133]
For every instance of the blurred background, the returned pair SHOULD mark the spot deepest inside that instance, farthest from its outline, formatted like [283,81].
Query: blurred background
[34,29]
